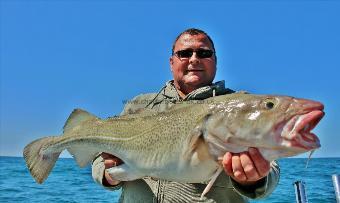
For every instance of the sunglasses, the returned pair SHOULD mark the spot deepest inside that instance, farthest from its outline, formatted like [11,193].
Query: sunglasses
[200,53]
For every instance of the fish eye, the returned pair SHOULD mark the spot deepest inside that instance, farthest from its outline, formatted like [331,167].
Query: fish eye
[269,104]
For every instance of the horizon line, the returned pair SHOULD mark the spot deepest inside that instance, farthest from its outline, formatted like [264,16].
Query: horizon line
[277,159]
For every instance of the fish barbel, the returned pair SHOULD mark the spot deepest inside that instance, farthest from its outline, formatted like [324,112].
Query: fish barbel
[184,143]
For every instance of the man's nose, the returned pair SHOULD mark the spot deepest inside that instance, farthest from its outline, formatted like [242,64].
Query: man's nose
[194,59]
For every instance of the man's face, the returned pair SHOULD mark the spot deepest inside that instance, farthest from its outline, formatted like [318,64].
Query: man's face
[193,72]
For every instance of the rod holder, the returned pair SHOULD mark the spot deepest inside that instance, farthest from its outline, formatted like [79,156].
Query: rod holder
[300,193]
[336,184]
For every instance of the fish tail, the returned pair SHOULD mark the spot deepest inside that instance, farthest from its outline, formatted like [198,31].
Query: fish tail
[42,154]
[38,161]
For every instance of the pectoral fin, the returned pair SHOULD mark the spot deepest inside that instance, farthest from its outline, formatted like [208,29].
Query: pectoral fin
[211,182]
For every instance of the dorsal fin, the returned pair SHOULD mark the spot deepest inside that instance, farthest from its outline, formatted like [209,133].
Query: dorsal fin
[76,118]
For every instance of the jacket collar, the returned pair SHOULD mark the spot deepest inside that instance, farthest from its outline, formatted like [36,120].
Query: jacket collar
[170,92]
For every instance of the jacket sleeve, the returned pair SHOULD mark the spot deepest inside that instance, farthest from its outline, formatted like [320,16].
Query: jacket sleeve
[98,169]
[263,188]
[131,106]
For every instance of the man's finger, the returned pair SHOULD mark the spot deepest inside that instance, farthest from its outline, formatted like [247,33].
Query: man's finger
[249,167]
[109,179]
[238,169]
[227,163]
[261,164]
[109,163]
[107,156]
[110,160]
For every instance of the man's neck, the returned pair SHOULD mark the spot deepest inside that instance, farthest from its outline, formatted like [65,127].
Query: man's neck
[181,94]
[184,90]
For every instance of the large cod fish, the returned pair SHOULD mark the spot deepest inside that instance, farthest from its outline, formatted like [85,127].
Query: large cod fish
[185,143]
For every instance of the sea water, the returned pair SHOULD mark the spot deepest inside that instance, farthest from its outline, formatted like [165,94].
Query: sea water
[69,183]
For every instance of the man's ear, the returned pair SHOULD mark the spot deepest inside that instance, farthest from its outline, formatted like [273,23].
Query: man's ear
[171,60]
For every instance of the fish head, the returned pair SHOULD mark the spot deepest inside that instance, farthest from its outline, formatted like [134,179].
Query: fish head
[280,126]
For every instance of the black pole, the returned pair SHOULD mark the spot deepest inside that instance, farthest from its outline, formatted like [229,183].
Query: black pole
[300,192]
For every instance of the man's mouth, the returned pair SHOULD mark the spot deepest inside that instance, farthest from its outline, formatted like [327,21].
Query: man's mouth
[195,70]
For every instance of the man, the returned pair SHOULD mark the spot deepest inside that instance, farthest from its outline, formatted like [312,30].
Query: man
[247,174]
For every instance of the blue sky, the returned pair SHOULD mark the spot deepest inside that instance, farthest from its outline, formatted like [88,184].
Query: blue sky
[61,55]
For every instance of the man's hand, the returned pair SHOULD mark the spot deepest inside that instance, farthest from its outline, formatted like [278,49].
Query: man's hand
[246,168]
[110,161]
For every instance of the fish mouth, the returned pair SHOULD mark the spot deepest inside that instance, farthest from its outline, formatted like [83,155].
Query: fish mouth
[297,131]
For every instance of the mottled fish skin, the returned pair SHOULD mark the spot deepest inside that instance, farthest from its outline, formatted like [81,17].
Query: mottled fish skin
[184,143]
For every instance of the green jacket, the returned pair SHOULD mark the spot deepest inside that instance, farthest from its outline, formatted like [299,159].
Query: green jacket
[151,190]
